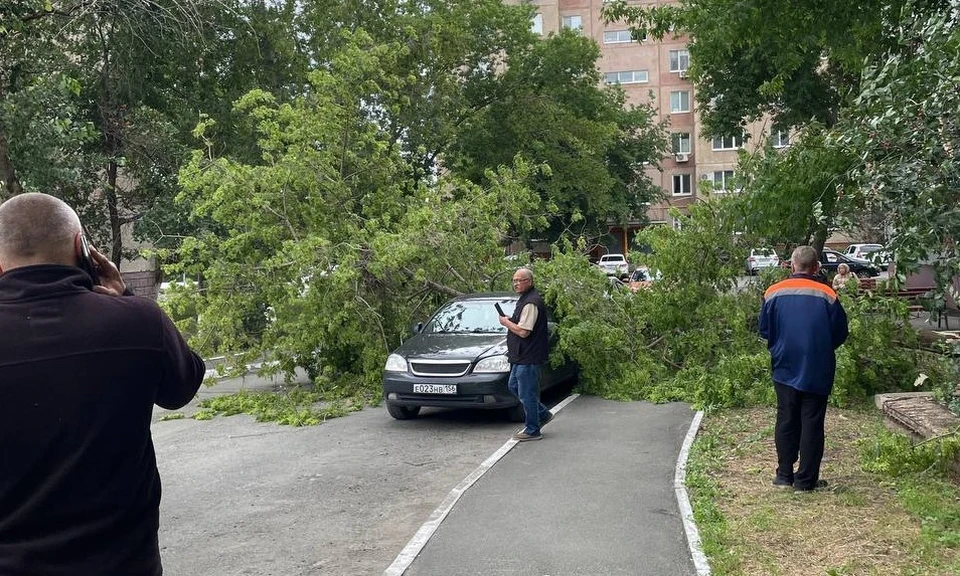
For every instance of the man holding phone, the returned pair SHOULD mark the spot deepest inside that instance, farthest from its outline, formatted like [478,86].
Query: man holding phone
[82,362]
[528,346]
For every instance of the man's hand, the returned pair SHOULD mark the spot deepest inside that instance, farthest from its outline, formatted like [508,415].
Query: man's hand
[111,282]
[515,328]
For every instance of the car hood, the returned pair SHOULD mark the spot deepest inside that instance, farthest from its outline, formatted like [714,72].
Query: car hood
[453,346]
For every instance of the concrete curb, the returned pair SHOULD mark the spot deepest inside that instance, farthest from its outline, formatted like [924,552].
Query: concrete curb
[686,511]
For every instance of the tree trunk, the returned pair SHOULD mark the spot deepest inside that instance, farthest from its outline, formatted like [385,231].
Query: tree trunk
[111,194]
[9,183]
[820,238]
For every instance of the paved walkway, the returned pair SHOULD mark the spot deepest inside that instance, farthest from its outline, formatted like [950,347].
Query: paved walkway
[594,497]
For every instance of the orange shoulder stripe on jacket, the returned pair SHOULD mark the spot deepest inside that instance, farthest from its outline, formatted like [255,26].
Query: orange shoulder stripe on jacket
[803,283]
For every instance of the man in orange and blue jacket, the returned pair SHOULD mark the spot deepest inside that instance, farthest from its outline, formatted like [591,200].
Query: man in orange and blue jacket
[803,323]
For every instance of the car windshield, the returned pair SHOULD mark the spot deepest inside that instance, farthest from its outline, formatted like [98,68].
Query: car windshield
[470,316]
[764,252]
[870,248]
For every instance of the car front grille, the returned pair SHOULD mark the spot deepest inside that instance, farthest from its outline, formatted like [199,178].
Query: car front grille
[439,367]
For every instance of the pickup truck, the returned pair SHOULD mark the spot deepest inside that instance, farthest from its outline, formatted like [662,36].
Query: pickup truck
[614,264]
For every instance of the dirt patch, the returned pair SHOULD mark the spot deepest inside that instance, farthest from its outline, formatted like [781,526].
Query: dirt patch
[857,526]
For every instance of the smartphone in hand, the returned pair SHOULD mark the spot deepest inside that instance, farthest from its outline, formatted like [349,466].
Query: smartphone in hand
[86,262]
[499,309]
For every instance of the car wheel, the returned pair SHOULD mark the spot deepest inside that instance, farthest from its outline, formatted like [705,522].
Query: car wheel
[516,413]
[864,274]
[403,412]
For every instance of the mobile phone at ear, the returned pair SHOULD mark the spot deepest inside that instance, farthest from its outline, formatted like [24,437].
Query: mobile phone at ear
[86,262]
[499,309]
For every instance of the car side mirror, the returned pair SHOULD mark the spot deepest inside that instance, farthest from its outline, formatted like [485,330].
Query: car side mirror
[417,328]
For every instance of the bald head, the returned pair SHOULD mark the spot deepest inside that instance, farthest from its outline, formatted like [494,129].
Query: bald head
[37,229]
[805,260]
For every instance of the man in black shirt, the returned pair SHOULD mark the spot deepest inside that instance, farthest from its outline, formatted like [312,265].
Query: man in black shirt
[81,367]
[527,348]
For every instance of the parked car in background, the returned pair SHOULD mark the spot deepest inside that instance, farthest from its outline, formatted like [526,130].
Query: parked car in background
[641,278]
[862,251]
[614,264]
[830,259]
[760,258]
[875,253]
[458,359]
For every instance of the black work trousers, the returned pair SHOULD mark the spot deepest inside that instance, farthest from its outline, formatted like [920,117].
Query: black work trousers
[799,432]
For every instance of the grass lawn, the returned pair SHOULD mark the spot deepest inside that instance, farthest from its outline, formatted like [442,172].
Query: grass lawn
[864,523]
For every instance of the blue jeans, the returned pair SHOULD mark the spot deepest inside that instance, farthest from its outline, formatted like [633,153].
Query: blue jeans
[524,382]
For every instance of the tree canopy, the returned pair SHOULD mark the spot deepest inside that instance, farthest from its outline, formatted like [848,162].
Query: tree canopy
[413,153]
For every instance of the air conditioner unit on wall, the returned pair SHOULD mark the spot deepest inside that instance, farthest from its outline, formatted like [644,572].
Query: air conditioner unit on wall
[683,74]
[705,176]
[682,157]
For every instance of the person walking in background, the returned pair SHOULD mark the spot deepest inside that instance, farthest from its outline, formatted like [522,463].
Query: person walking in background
[82,362]
[528,347]
[803,323]
[844,277]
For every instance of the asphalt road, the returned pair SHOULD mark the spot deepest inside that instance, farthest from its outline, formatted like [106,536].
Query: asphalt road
[344,497]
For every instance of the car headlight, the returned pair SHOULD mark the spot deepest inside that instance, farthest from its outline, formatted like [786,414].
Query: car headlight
[493,364]
[395,363]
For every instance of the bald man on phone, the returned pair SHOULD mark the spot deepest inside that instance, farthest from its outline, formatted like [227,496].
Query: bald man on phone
[82,363]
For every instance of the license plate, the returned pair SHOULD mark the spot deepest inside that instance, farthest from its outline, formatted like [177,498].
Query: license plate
[434,388]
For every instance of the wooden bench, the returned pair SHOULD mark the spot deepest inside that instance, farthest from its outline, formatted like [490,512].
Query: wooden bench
[913,296]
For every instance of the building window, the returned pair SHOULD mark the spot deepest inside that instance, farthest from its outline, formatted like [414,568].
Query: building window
[679,60]
[679,101]
[727,142]
[723,180]
[781,138]
[617,37]
[627,77]
[573,22]
[681,185]
[681,143]
[536,24]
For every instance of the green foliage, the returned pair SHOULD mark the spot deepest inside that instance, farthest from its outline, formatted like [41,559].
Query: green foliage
[896,455]
[593,145]
[172,416]
[936,503]
[296,407]
[179,301]
[791,197]
[881,353]
[687,337]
